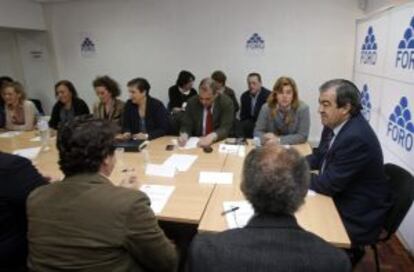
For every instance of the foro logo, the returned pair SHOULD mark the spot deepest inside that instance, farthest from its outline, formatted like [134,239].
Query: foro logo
[400,127]
[369,48]
[405,52]
[366,103]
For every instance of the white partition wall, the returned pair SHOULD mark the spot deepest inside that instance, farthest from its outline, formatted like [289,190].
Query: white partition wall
[384,71]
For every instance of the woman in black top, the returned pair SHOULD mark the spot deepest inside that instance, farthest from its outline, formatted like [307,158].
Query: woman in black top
[144,117]
[181,92]
[68,105]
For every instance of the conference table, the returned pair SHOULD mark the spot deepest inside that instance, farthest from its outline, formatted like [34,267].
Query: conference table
[192,202]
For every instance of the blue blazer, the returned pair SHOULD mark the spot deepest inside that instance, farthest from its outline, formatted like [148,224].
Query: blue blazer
[156,118]
[354,177]
[245,99]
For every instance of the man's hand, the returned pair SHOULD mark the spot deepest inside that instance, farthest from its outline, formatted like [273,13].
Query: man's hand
[182,140]
[206,140]
[123,136]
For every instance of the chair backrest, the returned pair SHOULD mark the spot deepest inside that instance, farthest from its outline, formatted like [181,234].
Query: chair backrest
[38,105]
[402,187]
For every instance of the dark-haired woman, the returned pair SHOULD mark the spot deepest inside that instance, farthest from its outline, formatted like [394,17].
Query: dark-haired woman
[68,105]
[109,107]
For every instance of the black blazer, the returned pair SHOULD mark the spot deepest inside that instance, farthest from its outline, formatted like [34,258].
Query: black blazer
[177,98]
[268,243]
[79,107]
[18,178]
[245,99]
[354,177]
[156,118]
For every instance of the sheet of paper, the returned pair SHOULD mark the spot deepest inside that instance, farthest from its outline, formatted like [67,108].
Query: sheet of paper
[158,194]
[10,134]
[29,153]
[191,143]
[311,193]
[159,170]
[232,149]
[216,177]
[181,162]
[238,213]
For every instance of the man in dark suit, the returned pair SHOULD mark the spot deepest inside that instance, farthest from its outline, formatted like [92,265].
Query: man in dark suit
[209,115]
[350,164]
[18,177]
[275,181]
[252,101]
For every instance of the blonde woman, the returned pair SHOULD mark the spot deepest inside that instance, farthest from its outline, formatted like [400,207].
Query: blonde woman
[20,113]
[284,119]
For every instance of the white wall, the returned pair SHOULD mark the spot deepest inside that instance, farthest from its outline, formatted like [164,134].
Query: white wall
[9,56]
[25,14]
[312,41]
[374,5]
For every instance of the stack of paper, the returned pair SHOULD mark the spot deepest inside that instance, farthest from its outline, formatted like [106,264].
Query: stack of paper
[29,153]
[158,194]
[238,213]
[191,143]
[10,134]
[180,162]
[216,177]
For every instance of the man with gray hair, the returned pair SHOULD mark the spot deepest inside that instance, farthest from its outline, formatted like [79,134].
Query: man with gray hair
[209,115]
[275,181]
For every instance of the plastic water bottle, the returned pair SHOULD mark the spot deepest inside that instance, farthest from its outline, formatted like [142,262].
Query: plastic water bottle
[43,127]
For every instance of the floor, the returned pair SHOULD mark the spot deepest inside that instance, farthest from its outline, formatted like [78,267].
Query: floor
[393,257]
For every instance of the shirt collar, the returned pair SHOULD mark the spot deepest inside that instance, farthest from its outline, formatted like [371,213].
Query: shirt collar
[338,128]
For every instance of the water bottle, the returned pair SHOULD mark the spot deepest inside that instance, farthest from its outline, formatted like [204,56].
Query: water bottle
[43,127]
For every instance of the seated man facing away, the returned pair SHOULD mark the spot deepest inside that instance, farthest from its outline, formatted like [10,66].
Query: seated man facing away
[350,163]
[18,177]
[84,222]
[209,115]
[275,181]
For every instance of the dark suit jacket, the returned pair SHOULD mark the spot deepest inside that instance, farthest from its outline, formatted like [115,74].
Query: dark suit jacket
[354,177]
[85,223]
[18,178]
[268,243]
[177,98]
[245,100]
[79,107]
[156,118]
[223,117]
[230,93]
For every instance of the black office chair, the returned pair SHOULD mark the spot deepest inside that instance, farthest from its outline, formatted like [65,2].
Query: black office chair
[38,105]
[402,187]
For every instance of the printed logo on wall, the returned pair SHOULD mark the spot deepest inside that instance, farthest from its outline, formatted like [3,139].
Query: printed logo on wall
[400,126]
[366,103]
[255,42]
[369,48]
[405,52]
[88,48]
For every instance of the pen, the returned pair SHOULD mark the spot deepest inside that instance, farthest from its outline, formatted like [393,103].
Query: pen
[231,210]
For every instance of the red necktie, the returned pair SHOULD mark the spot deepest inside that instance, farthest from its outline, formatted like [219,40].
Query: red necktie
[209,121]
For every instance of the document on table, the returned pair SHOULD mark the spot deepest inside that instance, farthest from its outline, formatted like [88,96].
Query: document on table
[238,213]
[216,177]
[191,143]
[158,194]
[10,134]
[231,149]
[181,162]
[159,170]
[29,153]
[311,193]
